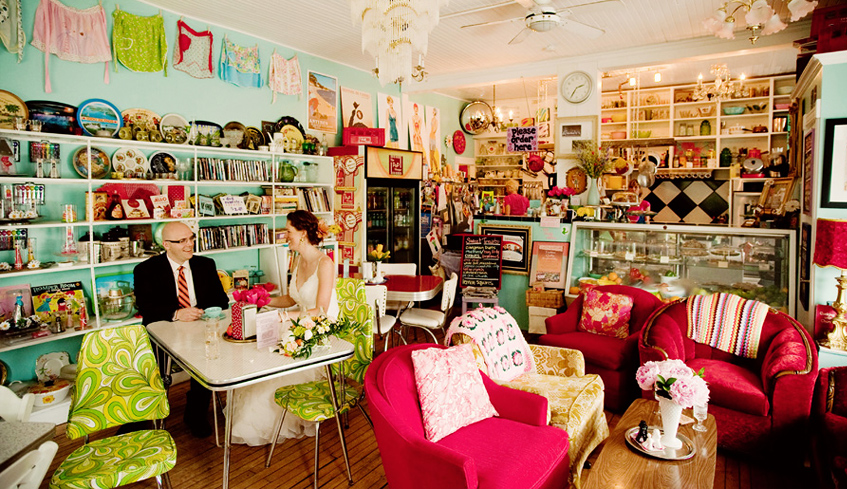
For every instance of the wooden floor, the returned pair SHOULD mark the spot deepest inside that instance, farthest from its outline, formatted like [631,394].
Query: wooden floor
[199,462]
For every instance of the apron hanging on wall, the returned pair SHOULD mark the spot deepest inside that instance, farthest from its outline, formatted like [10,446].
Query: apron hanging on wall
[11,28]
[193,51]
[239,65]
[139,42]
[284,76]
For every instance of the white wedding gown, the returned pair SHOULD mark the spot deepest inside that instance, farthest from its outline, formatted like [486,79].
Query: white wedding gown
[255,409]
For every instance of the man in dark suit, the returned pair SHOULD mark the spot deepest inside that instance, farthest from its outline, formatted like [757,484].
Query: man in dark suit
[178,286]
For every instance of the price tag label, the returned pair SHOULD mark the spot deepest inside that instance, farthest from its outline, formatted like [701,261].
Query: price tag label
[664,259]
[629,256]
[723,264]
[764,267]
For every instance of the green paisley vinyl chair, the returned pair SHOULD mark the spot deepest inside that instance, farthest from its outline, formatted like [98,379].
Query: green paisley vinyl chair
[117,382]
[312,400]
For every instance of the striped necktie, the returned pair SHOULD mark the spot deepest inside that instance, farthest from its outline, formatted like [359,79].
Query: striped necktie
[184,300]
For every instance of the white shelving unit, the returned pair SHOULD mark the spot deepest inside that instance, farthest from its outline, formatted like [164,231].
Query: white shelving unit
[76,186]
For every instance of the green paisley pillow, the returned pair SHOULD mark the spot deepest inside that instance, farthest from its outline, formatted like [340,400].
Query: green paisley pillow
[117,381]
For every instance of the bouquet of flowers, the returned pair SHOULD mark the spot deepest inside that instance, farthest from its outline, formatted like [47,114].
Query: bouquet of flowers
[594,162]
[259,295]
[559,192]
[379,255]
[674,380]
[306,333]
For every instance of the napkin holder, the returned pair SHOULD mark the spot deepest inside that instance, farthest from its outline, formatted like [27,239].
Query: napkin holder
[243,320]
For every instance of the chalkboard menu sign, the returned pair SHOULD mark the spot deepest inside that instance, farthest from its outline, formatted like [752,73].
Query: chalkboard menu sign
[481,257]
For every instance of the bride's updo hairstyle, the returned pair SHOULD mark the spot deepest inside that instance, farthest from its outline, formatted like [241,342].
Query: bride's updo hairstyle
[307,222]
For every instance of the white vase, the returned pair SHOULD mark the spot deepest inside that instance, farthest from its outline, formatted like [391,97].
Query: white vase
[671,412]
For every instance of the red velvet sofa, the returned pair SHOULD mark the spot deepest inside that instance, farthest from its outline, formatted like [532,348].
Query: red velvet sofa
[516,449]
[829,447]
[762,405]
[613,359]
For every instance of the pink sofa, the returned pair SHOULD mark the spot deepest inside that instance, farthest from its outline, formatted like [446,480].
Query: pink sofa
[829,447]
[761,405]
[613,359]
[516,449]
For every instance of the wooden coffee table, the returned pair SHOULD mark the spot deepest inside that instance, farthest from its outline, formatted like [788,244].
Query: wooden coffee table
[619,466]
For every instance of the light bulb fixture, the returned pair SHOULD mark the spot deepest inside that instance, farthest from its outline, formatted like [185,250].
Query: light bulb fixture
[723,87]
[657,77]
[759,17]
[392,30]
[632,81]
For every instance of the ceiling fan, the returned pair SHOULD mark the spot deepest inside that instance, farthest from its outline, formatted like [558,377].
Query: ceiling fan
[542,17]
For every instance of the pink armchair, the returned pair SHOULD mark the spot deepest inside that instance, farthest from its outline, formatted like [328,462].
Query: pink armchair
[761,405]
[829,447]
[516,449]
[613,359]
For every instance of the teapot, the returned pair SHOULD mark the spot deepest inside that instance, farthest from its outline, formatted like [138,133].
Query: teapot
[287,171]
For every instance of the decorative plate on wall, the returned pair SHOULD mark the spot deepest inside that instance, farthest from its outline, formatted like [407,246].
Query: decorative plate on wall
[98,117]
[55,117]
[174,129]
[100,163]
[459,142]
[10,107]
[130,160]
[576,179]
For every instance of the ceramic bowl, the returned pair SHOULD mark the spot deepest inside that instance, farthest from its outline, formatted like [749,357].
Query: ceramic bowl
[733,110]
[785,90]
[47,395]
[619,135]
[707,110]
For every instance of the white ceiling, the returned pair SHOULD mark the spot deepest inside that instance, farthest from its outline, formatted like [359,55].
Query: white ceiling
[325,28]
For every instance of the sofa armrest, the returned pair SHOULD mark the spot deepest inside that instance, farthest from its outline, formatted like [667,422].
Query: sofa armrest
[565,322]
[520,406]
[444,467]
[661,339]
[561,362]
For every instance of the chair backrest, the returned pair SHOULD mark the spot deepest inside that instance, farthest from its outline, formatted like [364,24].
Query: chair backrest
[377,296]
[353,305]
[28,471]
[14,408]
[399,268]
[117,381]
[448,293]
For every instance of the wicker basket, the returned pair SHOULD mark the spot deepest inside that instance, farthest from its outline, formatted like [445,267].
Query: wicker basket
[545,298]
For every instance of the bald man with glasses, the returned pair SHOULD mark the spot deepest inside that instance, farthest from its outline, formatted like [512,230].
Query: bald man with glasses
[178,286]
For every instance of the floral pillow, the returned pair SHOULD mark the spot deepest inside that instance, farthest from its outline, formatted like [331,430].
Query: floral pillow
[450,389]
[605,313]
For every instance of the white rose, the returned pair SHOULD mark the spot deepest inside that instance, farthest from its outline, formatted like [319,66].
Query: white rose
[307,335]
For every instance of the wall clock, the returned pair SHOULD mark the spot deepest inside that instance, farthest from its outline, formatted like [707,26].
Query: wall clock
[576,179]
[577,87]
[459,142]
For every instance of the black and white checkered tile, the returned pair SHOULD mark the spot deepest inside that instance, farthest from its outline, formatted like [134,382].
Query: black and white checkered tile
[688,201]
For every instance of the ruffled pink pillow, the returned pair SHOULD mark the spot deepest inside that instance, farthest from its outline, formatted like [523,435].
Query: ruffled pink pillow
[605,313]
[450,389]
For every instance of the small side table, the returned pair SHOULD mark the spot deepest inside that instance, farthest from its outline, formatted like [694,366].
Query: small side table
[495,301]
[828,357]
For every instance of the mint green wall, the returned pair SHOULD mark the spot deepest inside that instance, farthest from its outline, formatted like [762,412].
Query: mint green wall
[512,296]
[207,99]
[833,106]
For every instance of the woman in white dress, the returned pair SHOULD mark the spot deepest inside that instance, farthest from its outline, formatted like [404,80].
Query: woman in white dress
[312,290]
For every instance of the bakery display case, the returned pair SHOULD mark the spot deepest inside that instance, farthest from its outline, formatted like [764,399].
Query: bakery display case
[678,261]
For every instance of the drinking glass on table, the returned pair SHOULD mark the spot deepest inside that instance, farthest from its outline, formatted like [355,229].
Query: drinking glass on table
[701,412]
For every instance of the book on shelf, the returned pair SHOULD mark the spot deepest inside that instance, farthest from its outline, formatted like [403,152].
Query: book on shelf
[233,236]
[228,169]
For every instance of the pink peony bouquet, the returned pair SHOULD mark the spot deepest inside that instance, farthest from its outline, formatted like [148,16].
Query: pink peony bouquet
[560,192]
[674,380]
[259,295]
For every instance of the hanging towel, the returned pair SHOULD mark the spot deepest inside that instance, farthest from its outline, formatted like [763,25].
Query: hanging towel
[139,42]
[11,28]
[193,51]
[239,65]
[284,76]
[726,322]
[72,35]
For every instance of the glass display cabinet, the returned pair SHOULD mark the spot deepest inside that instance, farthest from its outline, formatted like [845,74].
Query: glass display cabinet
[678,261]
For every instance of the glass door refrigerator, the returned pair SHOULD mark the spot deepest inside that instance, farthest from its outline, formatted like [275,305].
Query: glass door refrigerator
[393,218]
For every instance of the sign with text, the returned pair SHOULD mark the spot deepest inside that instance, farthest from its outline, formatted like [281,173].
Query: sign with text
[393,163]
[520,139]
[481,260]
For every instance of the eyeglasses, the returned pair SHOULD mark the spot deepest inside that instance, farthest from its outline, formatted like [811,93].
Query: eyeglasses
[183,241]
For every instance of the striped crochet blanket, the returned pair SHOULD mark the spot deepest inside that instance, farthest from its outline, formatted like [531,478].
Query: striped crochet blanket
[498,339]
[726,322]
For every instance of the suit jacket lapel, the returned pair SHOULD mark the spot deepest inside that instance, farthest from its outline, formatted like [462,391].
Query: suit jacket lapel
[168,284]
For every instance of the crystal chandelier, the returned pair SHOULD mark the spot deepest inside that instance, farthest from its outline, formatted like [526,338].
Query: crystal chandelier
[723,87]
[760,17]
[392,30]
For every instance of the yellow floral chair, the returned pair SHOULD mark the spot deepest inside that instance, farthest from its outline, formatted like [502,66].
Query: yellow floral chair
[117,382]
[312,400]
[575,400]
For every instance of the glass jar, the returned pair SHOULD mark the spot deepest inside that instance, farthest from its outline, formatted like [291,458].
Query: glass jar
[705,128]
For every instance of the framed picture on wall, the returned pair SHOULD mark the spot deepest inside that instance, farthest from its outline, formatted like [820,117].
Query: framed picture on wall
[575,133]
[834,174]
[548,263]
[517,242]
[775,194]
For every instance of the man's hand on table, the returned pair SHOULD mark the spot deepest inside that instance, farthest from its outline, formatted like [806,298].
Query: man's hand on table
[188,314]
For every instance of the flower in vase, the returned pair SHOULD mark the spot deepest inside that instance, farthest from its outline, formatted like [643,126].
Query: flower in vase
[594,162]
[674,380]
[379,255]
